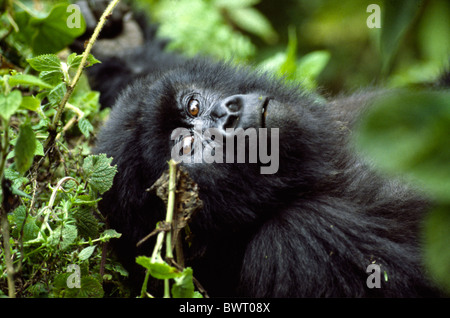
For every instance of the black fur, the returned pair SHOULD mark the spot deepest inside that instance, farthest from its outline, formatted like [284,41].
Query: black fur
[309,230]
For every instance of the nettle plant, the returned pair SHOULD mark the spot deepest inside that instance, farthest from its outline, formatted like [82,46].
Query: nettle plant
[50,186]
[52,233]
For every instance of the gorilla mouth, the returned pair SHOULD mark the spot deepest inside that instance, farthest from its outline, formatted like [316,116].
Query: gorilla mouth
[187,145]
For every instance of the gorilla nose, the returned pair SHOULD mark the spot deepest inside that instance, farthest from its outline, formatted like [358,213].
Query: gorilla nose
[239,111]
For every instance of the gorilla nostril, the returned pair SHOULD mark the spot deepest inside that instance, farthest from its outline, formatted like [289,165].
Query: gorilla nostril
[231,122]
[234,104]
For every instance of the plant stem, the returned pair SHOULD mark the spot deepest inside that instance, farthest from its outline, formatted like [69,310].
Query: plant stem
[51,138]
[7,253]
[171,205]
[4,147]
[4,216]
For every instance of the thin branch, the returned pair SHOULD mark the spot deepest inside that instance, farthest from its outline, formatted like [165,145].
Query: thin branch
[52,129]
[171,205]
[7,254]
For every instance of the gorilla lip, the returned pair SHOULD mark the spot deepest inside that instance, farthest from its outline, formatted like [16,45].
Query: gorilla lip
[264,108]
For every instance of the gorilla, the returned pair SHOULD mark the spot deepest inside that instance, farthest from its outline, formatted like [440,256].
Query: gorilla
[299,214]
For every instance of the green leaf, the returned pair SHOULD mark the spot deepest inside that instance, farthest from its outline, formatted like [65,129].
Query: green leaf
[64,236]
[30,229]
[86,252]
[17,179]
[26,79]
[289,67]
[310,66]
[52,77]
[89,287]
[45,62]
[91,60]
[407,133]
[52,33]
[98,172]
[252,21]
[109,234]
[74,60]
[397,18]
[160,270]
[39,149]
[85,127]
[31,103]
[184,285]
[9,104]
[56,95]
[25,148]
[86,222]
[437,253]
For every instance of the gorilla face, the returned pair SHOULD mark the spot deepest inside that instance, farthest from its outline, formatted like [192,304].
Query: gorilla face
[233,130]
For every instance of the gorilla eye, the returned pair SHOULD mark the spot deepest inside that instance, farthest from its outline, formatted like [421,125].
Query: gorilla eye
[193,107]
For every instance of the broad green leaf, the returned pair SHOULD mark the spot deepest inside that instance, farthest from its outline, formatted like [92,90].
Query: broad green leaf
[74,60]
[86,222]
[98,172]
[52,77]
[45,62]
[91,60]
[53,33]
[25,148]
[109,234]
[289,66]
[26,79]
[89,287]
[30,229]
[310,66]
[252,21]
[408,132]
[434,31]
[85,127]
[86,252]
[437,252]
[184,285]
[39,149]
[17,179]
[63,236]
[273,63]
[10,103]
[56,94]
[160,270]
[397,16]
[31,103]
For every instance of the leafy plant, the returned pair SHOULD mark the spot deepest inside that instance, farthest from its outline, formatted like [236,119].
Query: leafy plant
[190,24]
[157,266]
[304,70]
[408,133]
[50,185]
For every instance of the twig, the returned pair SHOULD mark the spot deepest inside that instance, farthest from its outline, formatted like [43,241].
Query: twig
[7,254]
[156,255]
[171,205]
[49,143]
[4,227]
[4,207]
